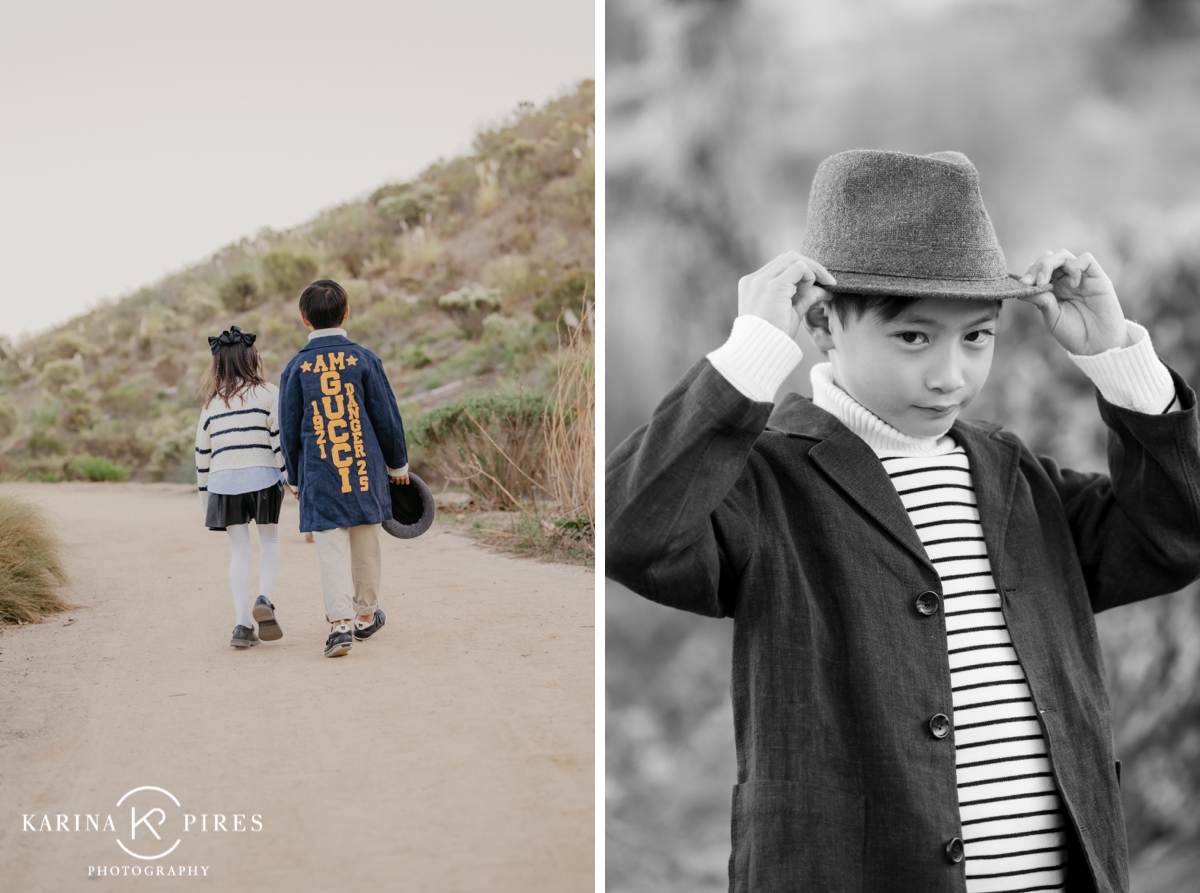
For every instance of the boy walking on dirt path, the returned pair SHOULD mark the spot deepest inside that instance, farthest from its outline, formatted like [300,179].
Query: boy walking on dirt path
[342,440]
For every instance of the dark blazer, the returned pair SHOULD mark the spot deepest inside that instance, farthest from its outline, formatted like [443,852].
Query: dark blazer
[786,522]
[340,431]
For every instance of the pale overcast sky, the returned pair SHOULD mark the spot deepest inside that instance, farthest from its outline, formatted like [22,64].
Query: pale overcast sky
[137,137]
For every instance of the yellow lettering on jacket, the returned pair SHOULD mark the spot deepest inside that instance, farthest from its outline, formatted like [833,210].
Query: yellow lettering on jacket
[331,383]
[319,427]
[319,365]
[337,361]
[334,424]
[341,408]
[336,453]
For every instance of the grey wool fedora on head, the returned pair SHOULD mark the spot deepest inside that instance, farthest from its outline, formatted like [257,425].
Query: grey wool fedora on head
[914,226]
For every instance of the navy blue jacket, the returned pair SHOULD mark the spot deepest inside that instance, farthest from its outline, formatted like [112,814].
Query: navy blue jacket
[340,431]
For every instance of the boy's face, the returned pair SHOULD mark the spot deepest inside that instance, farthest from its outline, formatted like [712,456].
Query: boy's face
[918,371]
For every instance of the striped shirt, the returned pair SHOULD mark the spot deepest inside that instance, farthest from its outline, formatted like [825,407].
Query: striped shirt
[241,434]
[1012,818]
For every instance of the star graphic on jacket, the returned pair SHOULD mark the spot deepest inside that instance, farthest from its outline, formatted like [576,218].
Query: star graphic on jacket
[352,360]
[306,367]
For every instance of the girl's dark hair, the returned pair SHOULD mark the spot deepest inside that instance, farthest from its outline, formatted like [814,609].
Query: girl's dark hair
[235,369]
[324,304]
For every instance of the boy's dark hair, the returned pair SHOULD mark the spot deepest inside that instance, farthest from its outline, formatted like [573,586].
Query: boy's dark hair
[324,304]
[885,307]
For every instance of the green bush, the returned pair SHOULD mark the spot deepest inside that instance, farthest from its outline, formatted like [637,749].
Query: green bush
[30,568]
[469,305]
[97,468]
[498,467]
[9,415]
[239,292]
[287,273]
[566,292]
[56,374]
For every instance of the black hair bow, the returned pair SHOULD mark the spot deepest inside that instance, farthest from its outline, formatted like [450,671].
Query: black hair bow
[232,335]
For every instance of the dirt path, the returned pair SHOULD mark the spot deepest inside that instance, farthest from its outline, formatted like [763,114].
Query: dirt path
[454,752]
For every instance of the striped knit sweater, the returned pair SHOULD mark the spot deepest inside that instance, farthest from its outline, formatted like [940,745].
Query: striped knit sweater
[241,434]
[1011,814]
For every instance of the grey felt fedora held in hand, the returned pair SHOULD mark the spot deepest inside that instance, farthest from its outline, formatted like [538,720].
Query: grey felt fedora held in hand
[889,223]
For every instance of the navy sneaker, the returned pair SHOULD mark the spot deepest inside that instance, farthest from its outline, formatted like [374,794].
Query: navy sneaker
[264,612]
[340,641]
[361,635]
[243,637]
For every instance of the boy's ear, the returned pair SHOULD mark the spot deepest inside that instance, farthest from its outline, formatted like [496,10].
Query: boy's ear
[817,323]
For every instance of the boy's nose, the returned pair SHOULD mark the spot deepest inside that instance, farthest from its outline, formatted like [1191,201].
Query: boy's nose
[945,378]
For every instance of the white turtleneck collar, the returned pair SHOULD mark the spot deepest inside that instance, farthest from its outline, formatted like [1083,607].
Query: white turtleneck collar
[325,333]
[878,434]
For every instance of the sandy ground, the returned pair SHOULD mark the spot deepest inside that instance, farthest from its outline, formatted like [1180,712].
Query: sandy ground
[452,752]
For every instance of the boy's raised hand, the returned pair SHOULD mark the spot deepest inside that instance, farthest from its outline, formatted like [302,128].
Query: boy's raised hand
[1082,312]
[782,290]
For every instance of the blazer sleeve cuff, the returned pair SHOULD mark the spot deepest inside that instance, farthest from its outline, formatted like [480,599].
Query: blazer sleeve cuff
[1131,377]
[757,358]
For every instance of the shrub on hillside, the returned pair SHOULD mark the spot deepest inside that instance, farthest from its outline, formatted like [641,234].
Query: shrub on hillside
[97,468]
[239,292]
[9,415]
[30,568]
[567,292]
[491,444]
[410,204]
[56,374]
[287,273]
[469,305]
[510,337]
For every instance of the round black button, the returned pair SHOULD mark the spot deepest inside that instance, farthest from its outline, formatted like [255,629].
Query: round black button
[927,603]
[954,850]
[939,725]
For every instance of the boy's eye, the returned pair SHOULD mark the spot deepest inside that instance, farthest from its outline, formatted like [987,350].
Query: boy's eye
[912,337]
[980,336]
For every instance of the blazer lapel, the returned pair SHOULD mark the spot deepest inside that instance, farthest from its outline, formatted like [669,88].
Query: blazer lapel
[847,460]
[855,468]
[994,467]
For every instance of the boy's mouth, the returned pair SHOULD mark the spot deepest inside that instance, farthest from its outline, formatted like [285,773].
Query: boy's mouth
[938,411]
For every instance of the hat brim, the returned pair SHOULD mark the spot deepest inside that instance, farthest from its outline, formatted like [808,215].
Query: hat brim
[908,287]
[407,499]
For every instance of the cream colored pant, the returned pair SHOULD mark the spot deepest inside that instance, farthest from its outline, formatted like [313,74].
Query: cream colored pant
[349,559]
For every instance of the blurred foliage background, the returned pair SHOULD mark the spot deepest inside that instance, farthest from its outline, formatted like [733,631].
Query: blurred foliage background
[113,393]
[1084,121]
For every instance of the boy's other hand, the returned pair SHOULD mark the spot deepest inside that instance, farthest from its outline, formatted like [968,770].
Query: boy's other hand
[399,479]
[1082,312]
[782,291]
[295,493]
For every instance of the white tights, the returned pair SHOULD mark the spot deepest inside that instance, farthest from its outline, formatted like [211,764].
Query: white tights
[239,566]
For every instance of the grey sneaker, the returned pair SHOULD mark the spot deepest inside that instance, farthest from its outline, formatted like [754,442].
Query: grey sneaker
[264,612]
[340,641]
[243,637]
[361,635]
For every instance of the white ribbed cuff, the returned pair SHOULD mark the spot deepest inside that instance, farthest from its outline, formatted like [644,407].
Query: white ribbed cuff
[397,472]
[1131,377]
[757,358]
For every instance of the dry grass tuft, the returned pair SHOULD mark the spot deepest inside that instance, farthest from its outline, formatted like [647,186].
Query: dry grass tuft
[30,569]
[570,428]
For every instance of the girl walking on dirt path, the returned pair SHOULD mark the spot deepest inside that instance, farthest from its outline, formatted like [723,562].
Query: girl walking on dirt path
[239,473]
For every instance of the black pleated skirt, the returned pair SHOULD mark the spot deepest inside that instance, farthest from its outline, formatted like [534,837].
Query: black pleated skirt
[261,507]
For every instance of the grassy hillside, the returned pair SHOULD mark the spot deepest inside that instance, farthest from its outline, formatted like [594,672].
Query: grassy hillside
[457,279]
